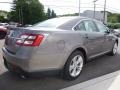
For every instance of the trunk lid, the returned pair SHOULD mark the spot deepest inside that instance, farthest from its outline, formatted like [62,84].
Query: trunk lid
[14,34]
[11,38]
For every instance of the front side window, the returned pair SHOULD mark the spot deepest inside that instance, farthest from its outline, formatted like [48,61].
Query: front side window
[101,27]
[90,26]
[80,27]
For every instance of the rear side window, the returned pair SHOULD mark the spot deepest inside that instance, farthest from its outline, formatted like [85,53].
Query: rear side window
[90,26]
[53,23]
[80,27]
[101,27]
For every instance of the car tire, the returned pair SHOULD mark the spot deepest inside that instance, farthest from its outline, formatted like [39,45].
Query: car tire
[74,66]
[2,35]
[114,49]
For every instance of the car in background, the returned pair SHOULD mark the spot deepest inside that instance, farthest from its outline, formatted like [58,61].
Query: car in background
[59,45]
[4,24]
[28,25]
[3,30]
[13,25]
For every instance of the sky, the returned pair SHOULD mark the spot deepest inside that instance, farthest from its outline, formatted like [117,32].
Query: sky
[71,6]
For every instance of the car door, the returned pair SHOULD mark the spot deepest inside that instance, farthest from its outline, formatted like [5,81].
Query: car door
[94,39]
[108,37]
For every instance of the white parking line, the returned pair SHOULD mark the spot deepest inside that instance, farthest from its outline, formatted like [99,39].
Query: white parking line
[107,82]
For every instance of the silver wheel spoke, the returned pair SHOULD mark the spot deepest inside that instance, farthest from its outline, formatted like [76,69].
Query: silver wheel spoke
[75,59]
[115,48]
[71,67]
[74,71]
[80,67]
[80,60]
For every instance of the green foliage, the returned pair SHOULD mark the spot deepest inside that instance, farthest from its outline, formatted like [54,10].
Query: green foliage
[113,18]
[27,11]
[3,13]
[114,25]
[3,16]
[3,19]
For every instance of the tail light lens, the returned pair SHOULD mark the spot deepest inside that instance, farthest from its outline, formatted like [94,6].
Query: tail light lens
[30,39]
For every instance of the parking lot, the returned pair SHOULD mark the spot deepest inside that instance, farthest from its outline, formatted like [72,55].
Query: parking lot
[98,67]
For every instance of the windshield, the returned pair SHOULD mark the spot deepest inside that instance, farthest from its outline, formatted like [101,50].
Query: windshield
[55,22]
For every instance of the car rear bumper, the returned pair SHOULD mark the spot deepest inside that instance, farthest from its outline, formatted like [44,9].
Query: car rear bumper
[21,62]
[17,70]
[35,63]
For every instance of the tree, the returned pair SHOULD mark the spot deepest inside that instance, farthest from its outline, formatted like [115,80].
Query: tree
[113,17]
[50,13]
[1,18]
[53,14]
[27,11]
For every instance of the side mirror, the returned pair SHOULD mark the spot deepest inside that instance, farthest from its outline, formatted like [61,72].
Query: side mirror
[108,31]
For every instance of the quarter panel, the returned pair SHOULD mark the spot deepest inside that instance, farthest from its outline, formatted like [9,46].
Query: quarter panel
[55,50]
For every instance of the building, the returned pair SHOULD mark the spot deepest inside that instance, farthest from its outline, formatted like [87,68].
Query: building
[99,15]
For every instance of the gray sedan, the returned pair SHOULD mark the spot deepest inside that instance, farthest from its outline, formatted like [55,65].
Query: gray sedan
[59,45]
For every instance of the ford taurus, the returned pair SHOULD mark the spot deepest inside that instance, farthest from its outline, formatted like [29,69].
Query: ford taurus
[58,45]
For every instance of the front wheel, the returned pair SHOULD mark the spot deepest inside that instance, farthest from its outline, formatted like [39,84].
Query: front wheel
[114,49]
[74,65]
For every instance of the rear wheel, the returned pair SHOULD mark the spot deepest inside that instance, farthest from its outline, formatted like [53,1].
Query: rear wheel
[74,65]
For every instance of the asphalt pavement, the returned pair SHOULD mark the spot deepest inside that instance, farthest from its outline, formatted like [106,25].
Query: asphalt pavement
[98,67]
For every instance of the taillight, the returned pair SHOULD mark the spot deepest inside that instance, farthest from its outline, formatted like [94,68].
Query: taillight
[30,39]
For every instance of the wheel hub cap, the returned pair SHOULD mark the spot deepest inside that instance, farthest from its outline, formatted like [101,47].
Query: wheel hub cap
[115,48]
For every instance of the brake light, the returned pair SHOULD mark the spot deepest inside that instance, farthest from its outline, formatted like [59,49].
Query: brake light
[30,39]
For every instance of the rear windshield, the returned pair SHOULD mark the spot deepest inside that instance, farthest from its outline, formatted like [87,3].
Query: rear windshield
[53,23]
